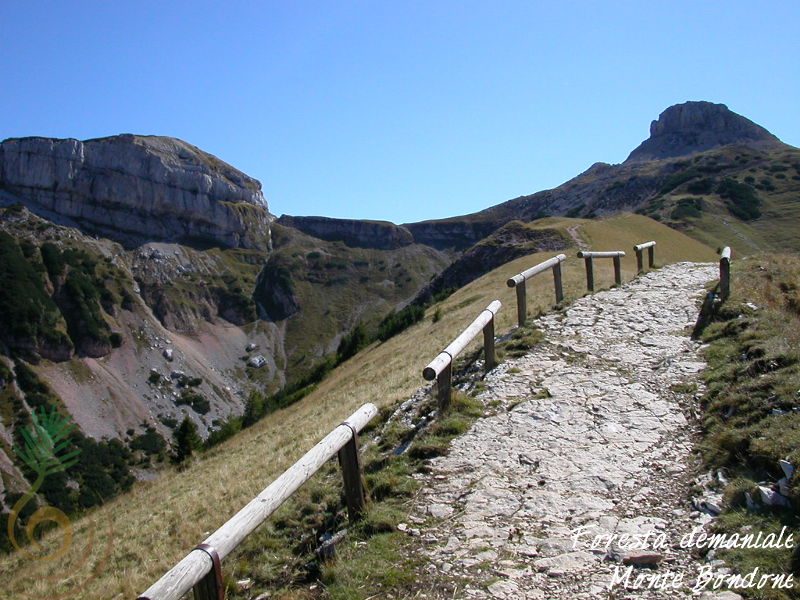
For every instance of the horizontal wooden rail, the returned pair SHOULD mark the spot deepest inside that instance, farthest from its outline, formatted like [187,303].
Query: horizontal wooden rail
[200,568]
[519,280]
[441,367]
[651,258]
[611,254]
[590,256]
[725,273]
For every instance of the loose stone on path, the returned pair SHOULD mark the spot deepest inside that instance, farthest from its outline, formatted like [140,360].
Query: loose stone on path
[590,449]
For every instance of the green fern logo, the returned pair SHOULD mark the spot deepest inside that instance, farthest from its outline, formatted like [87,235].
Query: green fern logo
[46,451]
[45,440]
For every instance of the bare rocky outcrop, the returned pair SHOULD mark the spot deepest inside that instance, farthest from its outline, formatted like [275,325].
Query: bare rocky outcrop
[380,235]
[697,126]
[137,188]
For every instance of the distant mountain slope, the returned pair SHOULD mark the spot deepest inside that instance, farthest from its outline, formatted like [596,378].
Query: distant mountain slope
[694,149]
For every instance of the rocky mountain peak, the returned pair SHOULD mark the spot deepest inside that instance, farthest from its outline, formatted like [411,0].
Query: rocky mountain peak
[697,126]
[135,189]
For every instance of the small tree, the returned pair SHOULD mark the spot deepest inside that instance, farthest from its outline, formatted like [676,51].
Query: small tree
[186,440]
[254,408]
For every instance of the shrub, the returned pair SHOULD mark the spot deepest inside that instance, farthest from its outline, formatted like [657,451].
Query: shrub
[394,323]
[227,430]
[196,401]
[687,207]
[676,179]
[703,186]
[149,442]
[29,315]
[741,200]
[352,343]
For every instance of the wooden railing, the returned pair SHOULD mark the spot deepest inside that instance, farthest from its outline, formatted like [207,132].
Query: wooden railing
[590,256]
[518,281]
[200,570]
[651,255]
[725,273]
[441,367]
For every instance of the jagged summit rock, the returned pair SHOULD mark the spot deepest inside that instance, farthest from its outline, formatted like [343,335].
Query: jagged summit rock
[697,126]
[135,188]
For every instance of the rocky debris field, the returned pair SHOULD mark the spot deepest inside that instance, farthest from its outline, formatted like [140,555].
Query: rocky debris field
[581,482]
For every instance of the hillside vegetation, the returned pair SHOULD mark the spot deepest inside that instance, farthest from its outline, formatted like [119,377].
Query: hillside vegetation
[142,533]
[751,420]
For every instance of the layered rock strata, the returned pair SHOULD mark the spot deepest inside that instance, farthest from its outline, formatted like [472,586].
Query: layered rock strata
[137,188]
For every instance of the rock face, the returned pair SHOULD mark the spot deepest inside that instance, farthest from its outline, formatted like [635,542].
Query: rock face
[697,126]
[380,235]
[137,188]
[511,241]
[450,234]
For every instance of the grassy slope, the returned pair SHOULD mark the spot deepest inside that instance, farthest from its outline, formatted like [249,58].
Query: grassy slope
[776,230]
[157,523]
[750,420]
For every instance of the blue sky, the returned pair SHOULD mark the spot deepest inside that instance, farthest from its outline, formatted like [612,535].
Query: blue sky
[402,111]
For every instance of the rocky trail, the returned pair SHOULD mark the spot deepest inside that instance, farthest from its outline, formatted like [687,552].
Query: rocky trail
[581,482]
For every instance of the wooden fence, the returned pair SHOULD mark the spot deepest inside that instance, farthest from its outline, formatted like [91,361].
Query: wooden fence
[519,282]
[441,367]
[200,570]
[725,273]
[589,258]
[651,255]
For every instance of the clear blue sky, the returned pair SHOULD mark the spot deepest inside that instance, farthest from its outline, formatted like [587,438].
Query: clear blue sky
[401,111]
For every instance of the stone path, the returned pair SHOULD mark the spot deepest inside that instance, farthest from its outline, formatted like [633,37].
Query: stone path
[592,437]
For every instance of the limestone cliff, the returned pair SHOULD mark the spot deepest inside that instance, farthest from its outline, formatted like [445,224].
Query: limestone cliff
[137,188]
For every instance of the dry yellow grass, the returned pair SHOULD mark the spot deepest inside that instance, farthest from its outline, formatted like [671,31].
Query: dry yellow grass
[157,523]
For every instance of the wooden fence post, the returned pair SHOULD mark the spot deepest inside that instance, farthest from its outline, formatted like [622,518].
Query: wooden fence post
[519,281]
[522,304]
[354,490]
[444,387]
[725,273]
[617,270]
[651,255]
[557,282]
[211,586]
[441,367]
[589,273]
[490,360]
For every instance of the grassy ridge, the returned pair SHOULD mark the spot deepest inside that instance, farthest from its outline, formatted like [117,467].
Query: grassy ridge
[751,417]
[150,528]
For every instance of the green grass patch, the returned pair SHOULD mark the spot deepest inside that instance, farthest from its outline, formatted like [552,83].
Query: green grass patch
[750,418]
[374,557]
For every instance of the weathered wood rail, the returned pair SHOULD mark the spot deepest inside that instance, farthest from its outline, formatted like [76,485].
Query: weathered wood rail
[441,367]
[651,256]
[200,570]
[589,258]
[519,282]
[725,273]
